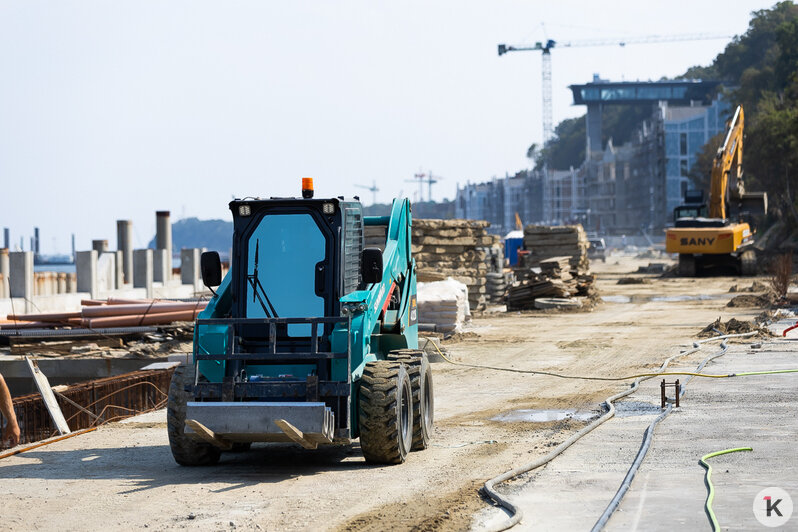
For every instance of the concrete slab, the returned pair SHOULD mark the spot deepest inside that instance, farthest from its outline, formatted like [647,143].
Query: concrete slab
[757,411]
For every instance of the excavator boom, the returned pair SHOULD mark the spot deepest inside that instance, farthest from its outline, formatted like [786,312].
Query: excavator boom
[728,158]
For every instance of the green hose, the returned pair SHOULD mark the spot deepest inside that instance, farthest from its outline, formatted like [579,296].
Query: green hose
[708,480]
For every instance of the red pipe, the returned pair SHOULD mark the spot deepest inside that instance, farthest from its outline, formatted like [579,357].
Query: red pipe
[135,320]
[789,329]
[154,308]
[120,301]
[56,317]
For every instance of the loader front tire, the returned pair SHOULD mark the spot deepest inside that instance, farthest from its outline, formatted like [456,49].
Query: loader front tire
[420,373]
[385,412]
[185,450]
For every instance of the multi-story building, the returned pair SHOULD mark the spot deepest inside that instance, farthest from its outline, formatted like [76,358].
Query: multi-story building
[498,201]
[627,189]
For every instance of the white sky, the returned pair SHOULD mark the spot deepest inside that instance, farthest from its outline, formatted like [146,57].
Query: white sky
[113,110]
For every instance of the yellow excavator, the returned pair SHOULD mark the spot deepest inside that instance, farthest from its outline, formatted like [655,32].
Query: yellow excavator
[719,235]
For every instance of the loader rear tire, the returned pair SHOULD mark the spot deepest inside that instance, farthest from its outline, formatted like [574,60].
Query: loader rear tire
[185,450]
[420,373]
[385,412]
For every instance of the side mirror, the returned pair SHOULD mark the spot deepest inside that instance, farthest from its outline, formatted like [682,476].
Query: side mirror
[371,265]
[211,268]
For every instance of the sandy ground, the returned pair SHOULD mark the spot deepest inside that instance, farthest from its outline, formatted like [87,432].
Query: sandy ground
[123,476]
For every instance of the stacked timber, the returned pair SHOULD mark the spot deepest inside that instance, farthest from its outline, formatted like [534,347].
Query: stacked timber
[456,249]
[555,278]
[545,241]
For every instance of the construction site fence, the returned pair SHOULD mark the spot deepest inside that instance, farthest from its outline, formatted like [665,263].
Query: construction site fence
[92,403]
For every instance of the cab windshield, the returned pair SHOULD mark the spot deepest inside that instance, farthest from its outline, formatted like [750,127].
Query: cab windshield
[283,252]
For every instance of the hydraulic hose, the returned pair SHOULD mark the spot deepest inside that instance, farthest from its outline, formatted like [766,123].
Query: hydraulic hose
[710,488]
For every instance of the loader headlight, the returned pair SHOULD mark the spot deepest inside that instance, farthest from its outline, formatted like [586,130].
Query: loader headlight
[244,210]
[328,208]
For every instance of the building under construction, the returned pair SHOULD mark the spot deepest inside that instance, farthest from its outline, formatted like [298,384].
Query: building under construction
[627,189]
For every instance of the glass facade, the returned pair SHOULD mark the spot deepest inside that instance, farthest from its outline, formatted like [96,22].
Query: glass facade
[632,92]
[684,138]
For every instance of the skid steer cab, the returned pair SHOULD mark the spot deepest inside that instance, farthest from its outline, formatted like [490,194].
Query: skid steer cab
[311,337]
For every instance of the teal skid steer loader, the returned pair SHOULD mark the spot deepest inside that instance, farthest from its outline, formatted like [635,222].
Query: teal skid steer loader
[311,337]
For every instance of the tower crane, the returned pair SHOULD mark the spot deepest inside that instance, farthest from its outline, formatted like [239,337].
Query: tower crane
[545,49]
[422,178]
[373,189]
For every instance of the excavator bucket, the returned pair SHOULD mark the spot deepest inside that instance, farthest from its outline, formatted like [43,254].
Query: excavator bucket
[754,204]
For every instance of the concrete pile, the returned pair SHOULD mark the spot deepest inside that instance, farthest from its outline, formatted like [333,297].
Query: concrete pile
[545,242]
[456,249]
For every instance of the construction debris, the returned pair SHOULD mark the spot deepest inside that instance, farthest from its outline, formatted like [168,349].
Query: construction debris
[749,301]
[653,267]
[756,287]
[544,303]
[153,342]
[553,278]
[634,280]
[456,249]
[735,326]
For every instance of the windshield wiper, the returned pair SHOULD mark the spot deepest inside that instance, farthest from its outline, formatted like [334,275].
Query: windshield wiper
[254,282]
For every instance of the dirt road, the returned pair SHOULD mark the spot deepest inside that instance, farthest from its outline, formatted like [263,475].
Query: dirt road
[123,476]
